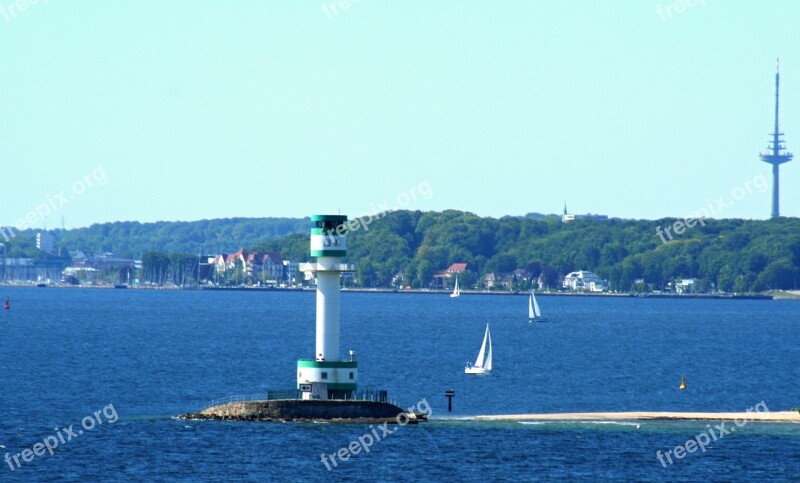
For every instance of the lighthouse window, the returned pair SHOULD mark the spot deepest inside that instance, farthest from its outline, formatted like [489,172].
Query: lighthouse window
[352,376]
[324,375]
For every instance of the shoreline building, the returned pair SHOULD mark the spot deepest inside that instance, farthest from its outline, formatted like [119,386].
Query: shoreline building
[778,154]
[584,280]
[454,270]
[45,242]
[566,217]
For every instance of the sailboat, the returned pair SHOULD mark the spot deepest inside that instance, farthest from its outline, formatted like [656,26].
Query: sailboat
[456,290]
[534,314]
[482,366]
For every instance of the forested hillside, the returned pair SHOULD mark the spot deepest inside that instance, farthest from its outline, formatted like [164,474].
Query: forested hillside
[132,239]
[733,255]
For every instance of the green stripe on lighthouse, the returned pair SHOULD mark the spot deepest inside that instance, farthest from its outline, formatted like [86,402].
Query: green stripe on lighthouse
[328,253]
[327,364]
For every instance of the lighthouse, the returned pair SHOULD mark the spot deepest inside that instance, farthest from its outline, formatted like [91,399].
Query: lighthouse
[327,383]
[327,376]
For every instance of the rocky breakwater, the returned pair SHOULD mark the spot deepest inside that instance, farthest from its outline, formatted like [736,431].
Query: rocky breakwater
[307,410]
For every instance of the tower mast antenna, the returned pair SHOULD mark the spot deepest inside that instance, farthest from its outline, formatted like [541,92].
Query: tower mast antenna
[778,154]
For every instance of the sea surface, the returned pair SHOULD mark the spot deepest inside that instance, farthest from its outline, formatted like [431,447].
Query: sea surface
[131,360]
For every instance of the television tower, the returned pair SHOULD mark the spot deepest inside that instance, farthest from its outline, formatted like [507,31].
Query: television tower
[775,158]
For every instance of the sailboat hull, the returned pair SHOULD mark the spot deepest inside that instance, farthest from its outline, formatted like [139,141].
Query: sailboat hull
[478,371]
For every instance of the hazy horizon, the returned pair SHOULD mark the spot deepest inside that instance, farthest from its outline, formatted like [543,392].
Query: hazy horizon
[352,216]
[252,109]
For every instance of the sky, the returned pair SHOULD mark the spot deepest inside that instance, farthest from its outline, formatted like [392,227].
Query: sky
[197,109]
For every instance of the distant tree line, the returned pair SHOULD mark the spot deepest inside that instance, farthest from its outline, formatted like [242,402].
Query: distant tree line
[130,239]
[733,255]
[730,255]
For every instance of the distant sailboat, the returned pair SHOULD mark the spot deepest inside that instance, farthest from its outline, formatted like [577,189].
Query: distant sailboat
[456,290]
[534,314]
[482,366]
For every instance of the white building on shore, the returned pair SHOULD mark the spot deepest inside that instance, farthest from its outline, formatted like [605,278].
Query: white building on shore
[583,280]
[685,285]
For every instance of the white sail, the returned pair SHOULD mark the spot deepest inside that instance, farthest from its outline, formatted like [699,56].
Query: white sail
[482,366]
[536,311]
[488,363]
[456,290]
[531,312]
[481,353]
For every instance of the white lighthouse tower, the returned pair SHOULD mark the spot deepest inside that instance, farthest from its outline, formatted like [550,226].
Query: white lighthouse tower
[326,376]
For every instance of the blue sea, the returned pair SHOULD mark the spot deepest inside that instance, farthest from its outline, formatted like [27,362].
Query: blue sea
[119,365]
